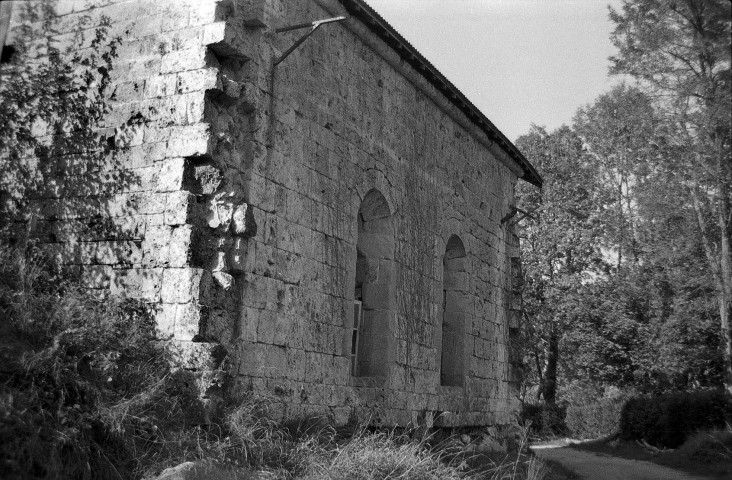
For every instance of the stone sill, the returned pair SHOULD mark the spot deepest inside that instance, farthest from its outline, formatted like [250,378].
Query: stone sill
[449,390]
[368,382]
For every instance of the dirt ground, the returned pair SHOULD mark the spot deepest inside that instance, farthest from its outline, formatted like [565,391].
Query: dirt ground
[602,466]
[701,461]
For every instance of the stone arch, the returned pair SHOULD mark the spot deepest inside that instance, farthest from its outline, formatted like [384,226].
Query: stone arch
[374,294]
[455,313]
[371,180]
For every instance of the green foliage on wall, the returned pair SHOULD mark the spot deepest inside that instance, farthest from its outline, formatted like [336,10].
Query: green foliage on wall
[54,94]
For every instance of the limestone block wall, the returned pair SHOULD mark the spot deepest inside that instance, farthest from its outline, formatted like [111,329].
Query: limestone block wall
[141,213]
[340,120]
[259,204]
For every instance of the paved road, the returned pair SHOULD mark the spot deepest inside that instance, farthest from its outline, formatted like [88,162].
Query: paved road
[591,466]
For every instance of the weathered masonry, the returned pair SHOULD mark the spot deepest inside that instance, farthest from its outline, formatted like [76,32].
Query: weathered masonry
[331,226]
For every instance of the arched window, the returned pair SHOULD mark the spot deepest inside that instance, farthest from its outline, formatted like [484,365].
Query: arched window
[373,309]
[455,311]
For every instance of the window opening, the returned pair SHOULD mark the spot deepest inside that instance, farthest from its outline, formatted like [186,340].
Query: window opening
[7,54]
[455,308]
[368,338]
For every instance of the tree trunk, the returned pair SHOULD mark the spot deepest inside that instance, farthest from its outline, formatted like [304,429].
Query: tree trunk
[720,260]
[725,308]
[724,280]
[548,388]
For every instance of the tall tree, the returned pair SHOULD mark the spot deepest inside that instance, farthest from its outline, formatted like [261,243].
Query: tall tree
[561,248]
[624,335]
[637,315]
[680,52]
[618,131]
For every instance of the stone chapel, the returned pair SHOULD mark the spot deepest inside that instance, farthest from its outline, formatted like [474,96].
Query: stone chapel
[331,223]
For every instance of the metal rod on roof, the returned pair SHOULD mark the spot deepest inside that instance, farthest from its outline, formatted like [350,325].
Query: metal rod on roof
[515,210]
[314,24]
[313,27]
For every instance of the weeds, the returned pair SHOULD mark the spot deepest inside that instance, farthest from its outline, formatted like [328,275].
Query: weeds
[87,392]
[384,455]
[709,446]
[516,465]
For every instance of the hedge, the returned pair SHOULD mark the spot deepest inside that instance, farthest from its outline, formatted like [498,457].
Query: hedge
[596,419]
[667,420]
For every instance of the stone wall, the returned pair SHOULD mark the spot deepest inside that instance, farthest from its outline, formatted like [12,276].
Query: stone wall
[125,215]
[265,200]
[334,122]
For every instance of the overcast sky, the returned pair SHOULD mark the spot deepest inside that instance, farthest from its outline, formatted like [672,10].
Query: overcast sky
[518,61]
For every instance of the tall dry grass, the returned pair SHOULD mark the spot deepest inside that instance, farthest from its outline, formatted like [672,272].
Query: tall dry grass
[516,465]
[384,455]
[406,456]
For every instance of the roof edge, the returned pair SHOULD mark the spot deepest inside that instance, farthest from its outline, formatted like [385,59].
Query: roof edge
[376,23]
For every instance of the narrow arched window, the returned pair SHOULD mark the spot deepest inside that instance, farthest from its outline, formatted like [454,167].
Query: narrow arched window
[454,313]
[373,306]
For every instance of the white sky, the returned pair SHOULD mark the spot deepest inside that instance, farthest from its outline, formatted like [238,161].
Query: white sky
[518,61]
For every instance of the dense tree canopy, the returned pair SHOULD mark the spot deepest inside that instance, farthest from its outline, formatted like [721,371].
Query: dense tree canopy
[628,260]
[561,249]
[618,289]
[680,51]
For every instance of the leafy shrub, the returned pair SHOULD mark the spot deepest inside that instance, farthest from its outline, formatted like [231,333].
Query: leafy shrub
[595,419]
[87,390]
[667,420]
[547,420]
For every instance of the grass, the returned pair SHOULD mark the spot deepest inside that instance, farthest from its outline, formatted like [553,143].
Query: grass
[707,453]
[384,455]
[392,455]
[87,391]
[513,466]
[516,464]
